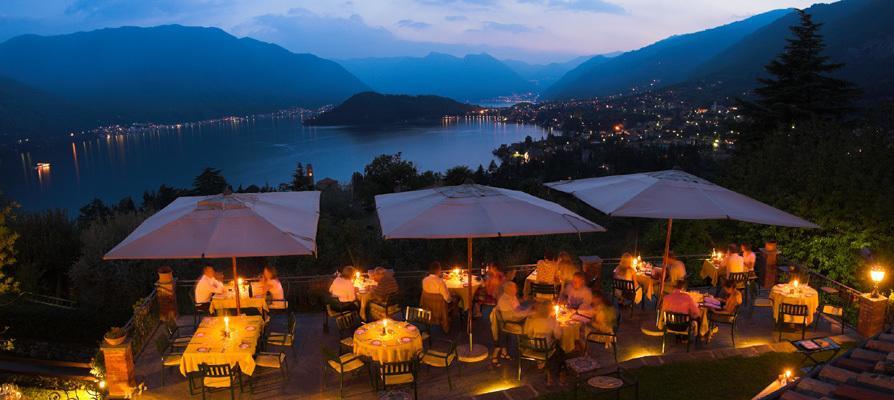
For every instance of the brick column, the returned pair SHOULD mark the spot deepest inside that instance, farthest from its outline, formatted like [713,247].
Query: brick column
[871,319]
[120,369]
[771,257]
[167,297]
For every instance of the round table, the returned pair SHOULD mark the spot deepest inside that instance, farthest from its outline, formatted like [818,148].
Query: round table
[787,293]
[364,287]
[571,330]
[710,269]
[402,341]
[459,286]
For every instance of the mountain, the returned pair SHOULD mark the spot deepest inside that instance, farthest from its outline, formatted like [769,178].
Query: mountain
[172,73]
[668,61]
[544,75]
[857,33]
[472,78]
[27,111]
[370,108]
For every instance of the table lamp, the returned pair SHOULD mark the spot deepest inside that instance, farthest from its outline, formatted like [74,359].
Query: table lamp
[877,274]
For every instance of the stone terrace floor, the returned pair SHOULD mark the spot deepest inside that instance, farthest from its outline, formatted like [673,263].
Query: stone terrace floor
[755,335]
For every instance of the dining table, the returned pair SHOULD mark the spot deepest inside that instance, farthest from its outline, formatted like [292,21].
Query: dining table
[572,326]
[227,300]
[364,286]
[788,293]
[387,340]
[219,341]
[704,305]
[712,268]
[458,285]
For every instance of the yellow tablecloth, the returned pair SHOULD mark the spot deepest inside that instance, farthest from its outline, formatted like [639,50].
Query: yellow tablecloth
[402,343]
[364,288]
[222,302]
[710,270]
[782,293]
[459,288]
[647,283]
[208,345]
[571,331]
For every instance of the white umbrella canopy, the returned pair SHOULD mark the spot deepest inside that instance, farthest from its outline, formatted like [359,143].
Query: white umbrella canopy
[473,211]
[673,194]
[225,226]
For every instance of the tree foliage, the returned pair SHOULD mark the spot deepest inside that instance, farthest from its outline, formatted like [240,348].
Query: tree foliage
[209,182]
[7,249]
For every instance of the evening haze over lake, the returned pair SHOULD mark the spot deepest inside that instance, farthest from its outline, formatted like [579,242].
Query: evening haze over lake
[258,152]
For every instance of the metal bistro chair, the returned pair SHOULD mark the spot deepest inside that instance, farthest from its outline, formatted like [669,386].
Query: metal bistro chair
[330,313]
[604,339]
[199,310]
[742,283]
[389,308]
[544,291]
[347,324]
[715,319]
[169,357]
[175,334]
[341,365]
[444,358]
[398,373]
[677,325]
[421,318]
[533,349]
[511,328]
[220,373]
[283,339]
[832,307]
[794,311]
[624,294]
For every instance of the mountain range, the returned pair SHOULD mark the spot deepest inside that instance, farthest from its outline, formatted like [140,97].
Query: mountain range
[472,78]
[370,108]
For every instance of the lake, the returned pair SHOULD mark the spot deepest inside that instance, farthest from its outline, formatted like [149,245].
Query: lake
[260,151]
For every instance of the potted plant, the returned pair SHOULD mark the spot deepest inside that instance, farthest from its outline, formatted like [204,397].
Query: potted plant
[115,336]
[165,274]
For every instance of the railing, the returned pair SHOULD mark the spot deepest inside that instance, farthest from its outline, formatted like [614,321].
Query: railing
[842,296]
[51,301]
[142,325]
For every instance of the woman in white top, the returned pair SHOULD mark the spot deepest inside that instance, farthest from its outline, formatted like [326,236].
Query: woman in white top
[748,257]
[271,284]
[734,262]
[343,291]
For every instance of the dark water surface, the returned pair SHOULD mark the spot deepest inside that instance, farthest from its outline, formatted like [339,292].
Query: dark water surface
[257,152]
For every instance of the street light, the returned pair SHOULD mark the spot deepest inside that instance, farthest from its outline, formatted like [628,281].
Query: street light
[877,274]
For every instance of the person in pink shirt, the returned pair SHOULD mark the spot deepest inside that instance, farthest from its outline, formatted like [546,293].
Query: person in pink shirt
[680,302]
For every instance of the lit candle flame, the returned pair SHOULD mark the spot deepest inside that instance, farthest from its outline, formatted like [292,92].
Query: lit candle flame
[556,310]
[227,324]
[240,281]
[788,374]
[795,283]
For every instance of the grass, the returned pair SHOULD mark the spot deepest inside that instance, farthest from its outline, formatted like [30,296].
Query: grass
[730,378]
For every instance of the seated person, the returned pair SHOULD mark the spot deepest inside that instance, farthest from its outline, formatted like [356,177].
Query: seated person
[565,268]
[732,300]
[603,315]
[681,302]
[733,261]
[343,293]
[385,288]
[748,257]
[488,292]
[207,286]
[577,294]
[625,271]
[271,284]
[546,269]
[436,297]
[541,324]
[676,270]
[511,310]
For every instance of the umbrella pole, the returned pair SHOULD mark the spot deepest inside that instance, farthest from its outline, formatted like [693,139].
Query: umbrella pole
[475,352]
[236,285]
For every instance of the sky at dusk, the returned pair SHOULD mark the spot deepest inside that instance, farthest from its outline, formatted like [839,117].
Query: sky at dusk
[531,30]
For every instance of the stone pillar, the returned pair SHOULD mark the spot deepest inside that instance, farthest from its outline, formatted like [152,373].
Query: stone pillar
[871,319]
[120,370]
[771,258]
[166,296]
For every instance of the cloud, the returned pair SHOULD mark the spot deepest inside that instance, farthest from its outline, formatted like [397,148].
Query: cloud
[501,27]
[593,6]
[455,18]
[411,24]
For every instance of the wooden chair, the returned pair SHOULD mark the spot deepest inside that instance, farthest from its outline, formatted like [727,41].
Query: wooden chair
[273,361]
[214,373]
[545,291]
[347,323]
[421,318]
[511,328]
[400,373]
[442,358]
[624,294]
[169,357]
[533,349]
[389,308]
[717,319]
[283,339]
[794,311]
[348,363]
[677,325]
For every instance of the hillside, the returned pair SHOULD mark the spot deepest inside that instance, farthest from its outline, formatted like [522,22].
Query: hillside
[172,73]
[665,62]
[471,78]
[26,111]
[857,33]
[370,108]
[543,76]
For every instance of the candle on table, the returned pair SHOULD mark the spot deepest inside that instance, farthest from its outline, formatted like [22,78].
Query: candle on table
[795,283]
[227,324]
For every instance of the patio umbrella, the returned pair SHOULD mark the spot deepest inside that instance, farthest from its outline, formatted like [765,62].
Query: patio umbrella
[227,226]
[673,194]
[473,211]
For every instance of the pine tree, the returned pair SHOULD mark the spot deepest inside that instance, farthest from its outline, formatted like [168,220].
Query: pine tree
[799,87]
[209,182]
[299,178]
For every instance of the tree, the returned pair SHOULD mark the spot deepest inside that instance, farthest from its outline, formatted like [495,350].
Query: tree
[94,210]
[209,182]
[458,175]
[299,178]
[799,87]
[7,249]
[37,268]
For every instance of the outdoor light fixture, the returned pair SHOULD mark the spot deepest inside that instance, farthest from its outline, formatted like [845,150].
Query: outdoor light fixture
[877,274]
